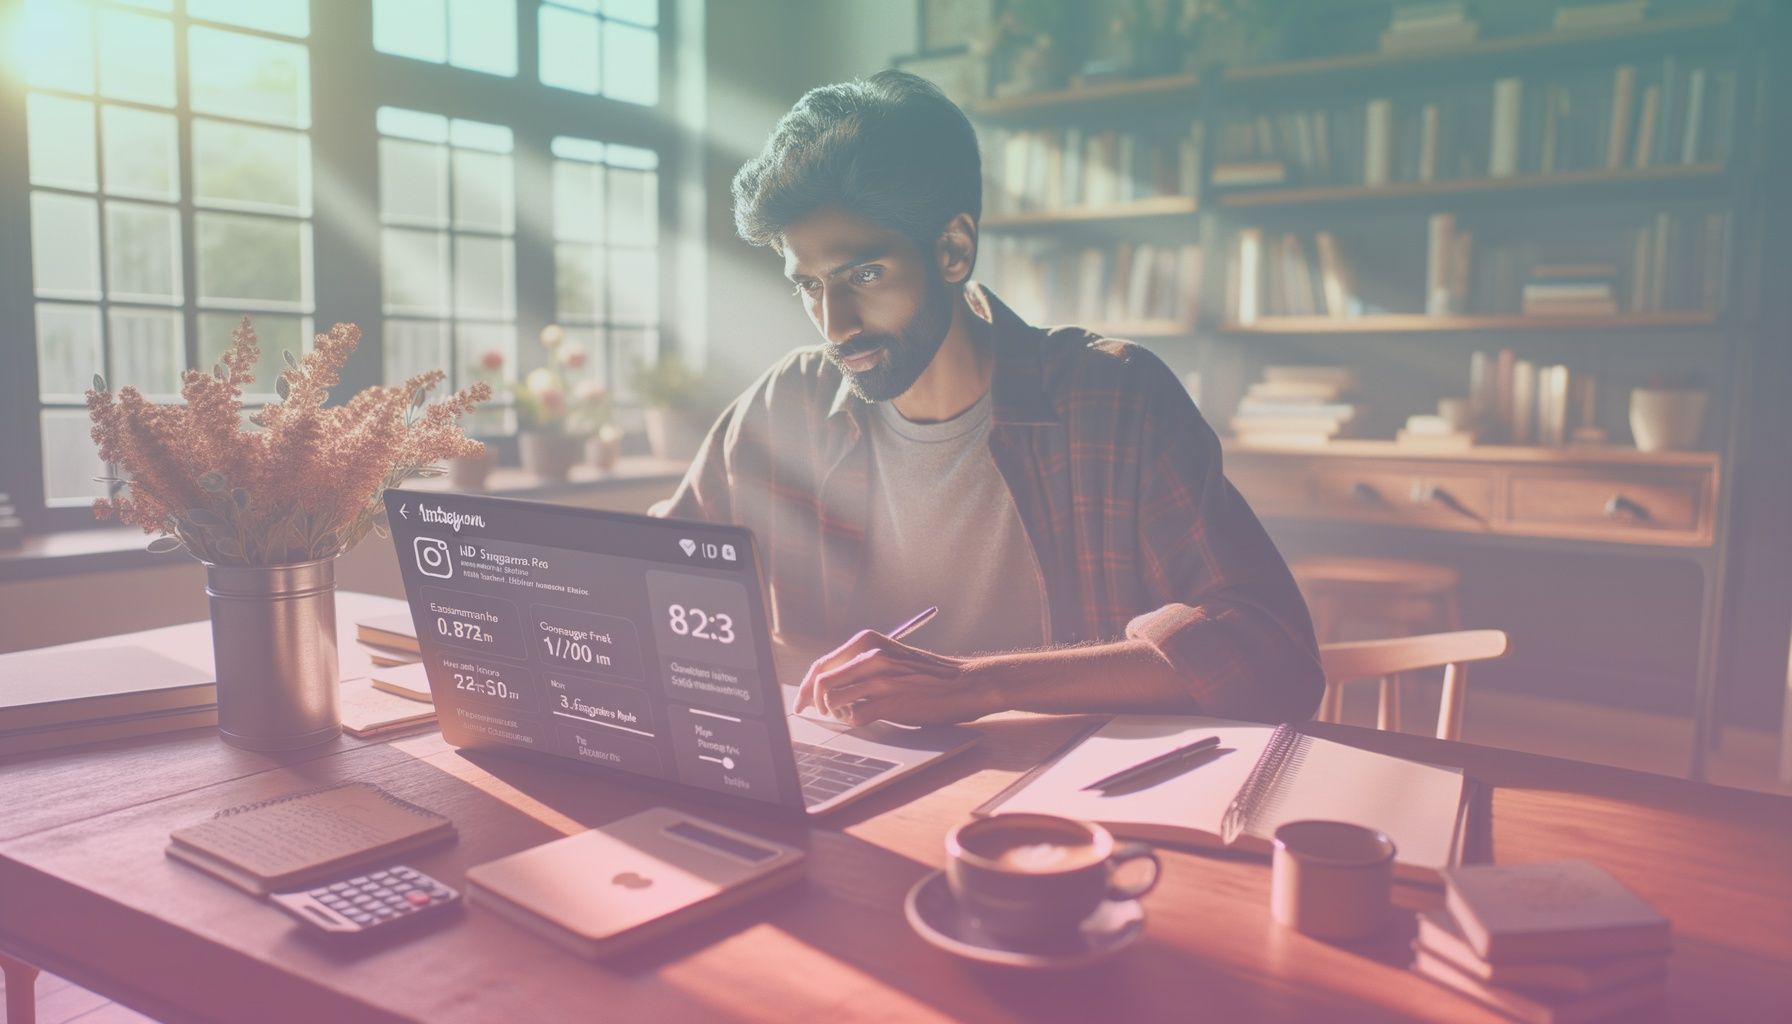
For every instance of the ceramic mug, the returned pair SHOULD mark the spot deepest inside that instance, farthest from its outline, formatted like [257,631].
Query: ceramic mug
[1025,875]
[1331,879]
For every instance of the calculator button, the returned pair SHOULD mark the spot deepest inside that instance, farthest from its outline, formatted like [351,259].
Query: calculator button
[361,918]
[339,887]
[418,899]
[403,887]
[315,893]
[358,880]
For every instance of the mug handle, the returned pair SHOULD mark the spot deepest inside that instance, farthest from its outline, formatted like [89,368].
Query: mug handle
[1132,852]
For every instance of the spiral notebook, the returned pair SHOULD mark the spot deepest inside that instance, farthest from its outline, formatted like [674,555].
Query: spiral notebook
[1260,777]
[295,840]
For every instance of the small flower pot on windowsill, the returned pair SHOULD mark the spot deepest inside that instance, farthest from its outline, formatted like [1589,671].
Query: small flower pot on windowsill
[673,434]
[468,474]
[549,457]
[604,449]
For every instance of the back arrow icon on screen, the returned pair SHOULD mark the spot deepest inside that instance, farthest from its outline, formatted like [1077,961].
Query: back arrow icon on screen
[402,511]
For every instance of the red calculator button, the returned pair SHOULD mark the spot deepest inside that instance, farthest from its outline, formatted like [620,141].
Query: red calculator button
[418,899]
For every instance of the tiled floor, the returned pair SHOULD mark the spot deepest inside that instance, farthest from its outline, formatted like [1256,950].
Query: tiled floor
[1748,759]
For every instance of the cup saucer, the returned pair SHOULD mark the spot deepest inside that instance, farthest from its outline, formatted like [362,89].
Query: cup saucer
[933,912]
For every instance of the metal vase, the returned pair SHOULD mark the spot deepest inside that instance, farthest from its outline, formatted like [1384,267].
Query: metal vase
[274,643]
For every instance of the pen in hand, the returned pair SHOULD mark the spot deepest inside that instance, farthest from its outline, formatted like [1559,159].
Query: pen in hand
[920,618]
[1178,755]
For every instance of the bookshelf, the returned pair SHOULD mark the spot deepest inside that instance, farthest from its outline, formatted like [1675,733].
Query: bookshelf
[1649,223]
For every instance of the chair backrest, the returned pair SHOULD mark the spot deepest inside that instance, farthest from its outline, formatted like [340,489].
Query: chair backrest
[1373,659]
[1386,659]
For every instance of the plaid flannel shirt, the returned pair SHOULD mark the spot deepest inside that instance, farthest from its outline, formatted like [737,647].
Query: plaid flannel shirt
[1118,482]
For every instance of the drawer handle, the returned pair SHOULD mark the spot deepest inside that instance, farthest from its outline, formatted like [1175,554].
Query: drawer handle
[1432,494]
[1620,507]
[1365,494]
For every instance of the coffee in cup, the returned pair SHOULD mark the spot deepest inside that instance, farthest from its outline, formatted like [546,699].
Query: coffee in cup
[1031,875]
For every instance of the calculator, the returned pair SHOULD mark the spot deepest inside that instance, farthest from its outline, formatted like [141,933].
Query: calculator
[368,903]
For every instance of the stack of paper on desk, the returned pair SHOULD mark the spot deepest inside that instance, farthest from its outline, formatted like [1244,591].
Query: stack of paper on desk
[1277,774]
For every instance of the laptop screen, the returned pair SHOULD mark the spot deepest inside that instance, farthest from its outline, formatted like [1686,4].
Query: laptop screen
[632,644]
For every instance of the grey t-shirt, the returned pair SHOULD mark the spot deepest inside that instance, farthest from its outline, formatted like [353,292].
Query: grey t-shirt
[944,530]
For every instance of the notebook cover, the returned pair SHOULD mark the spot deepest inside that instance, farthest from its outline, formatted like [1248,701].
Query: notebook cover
[289,841]
[63,687]
[396,630]
[1543,1007]
[1558,909]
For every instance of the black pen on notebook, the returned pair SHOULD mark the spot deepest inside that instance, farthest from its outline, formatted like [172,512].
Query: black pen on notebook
[921,618]
[1176,756]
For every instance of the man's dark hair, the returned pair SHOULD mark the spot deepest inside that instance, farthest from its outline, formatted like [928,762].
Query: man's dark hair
[890,148]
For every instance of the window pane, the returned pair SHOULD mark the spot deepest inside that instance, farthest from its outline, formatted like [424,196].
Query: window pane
[578,201]
[411,28]
[631,63]
[641,12]
[137,58]
[634,206]
[287,17]
[65,246]
[482,35]
[249,77]
[70,460]
[412,347]
[251,168]
[165,6]
[411,124]
[274,332]
[142,153]
[578,282]
[258,260]
[482,277]
[493,138]
[68,350]
[143,253]
[413,183]
[147,350]
[634,286]
[629,346]
[569,50]
[618,155]
[59,140]
[414,271]
[61,52]
[484,198]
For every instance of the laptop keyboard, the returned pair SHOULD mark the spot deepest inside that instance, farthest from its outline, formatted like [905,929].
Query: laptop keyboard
[825,773]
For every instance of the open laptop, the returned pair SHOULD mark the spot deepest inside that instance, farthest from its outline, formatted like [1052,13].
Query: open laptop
[635,645]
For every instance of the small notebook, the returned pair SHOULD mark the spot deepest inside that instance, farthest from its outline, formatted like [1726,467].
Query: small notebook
[292,841]
[369,710]
[1261,776]
[408,681]
[1562,908]
[396,631]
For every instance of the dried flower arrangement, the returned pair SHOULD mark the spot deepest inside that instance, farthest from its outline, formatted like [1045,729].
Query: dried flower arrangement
[307,484]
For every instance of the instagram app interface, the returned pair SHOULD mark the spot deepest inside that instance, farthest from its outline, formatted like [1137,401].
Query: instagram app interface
[617,642]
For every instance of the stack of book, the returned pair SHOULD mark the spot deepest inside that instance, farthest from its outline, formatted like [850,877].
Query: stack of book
[1297,405]
[1590,17]
[1429,26]
[1285,275]
[389,639]
[1571,289]
[1554,942]
[61,697]
[12,528]
[1029,170]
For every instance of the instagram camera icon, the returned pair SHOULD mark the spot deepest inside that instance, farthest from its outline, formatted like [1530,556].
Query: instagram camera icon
[432,558]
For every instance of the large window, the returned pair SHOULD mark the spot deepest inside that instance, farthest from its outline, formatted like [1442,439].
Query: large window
[167,197]
[606,252]
[447,242]
[478,169]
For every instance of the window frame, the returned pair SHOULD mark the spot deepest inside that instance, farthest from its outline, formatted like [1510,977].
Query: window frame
[345,249]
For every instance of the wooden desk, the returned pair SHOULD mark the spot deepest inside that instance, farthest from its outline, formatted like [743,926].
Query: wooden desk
[86,892]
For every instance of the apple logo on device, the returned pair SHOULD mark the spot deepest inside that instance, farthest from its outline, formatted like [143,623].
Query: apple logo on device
[630,880]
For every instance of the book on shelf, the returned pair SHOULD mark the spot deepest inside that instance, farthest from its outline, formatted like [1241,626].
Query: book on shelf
[1297,405]
[1429,26]
[1110,285]
[1608,116]
[1286,275]
[1585,17]
[1030,170]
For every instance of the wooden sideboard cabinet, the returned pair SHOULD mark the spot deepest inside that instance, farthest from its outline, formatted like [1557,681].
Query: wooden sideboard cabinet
[1603,494]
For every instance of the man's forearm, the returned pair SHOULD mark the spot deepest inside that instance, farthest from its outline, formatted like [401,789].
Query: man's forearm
[1124,675]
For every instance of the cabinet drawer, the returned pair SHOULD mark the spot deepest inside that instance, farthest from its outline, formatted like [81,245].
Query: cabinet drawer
[1274,487]
[1674,502]
[1451,500]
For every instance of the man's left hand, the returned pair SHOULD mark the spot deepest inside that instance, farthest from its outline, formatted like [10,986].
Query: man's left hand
[873,677]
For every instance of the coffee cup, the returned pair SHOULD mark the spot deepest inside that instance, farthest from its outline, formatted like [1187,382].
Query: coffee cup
[1020,876]
[1331,879]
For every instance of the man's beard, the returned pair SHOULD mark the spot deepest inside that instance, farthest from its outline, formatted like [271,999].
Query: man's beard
[907,353]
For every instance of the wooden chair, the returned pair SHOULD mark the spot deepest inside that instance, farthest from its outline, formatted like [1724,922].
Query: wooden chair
[1385,659]
[1394,595]
[21,990]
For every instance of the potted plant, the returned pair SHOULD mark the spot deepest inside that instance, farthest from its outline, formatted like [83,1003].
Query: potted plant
[468,472]
[268,505]
[554,416]
[1669,414]
[673,394]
